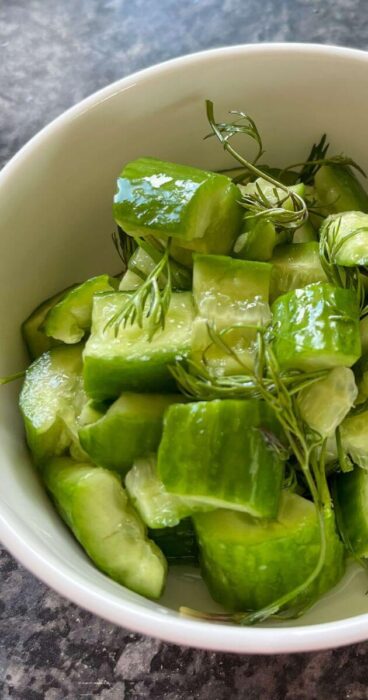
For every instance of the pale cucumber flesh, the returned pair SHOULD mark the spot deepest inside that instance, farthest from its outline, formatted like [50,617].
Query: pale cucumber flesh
[51,400]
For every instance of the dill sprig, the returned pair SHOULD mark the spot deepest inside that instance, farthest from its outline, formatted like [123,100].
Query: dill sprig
[12,377]
[198,382]
[260,204]
[329,247]
[308,448]
[147,305]
[317,158]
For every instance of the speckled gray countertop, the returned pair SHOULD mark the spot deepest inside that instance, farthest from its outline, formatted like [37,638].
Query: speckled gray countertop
[54,53]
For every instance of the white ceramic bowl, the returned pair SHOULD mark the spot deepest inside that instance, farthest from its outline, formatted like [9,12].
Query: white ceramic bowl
[56,223]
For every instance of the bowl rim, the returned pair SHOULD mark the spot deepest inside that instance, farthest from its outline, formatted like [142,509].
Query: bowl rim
[24,545]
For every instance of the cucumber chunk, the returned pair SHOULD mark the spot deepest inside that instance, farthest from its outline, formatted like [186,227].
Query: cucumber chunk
[129,361]
[219,453]
[294,266]
[178,544]
[305,234]
[347,235]
[338,190]
[141,264]
[166,199]
[70,318]
[249,563]
[257,240]
[316,328]
[259,237]
[324,404]
[228,291]
[51,400]
[229,294]
[157,507]
[351,501]
[131,428]
[32,329]
[260,186]
[354,437]
[95,506]
[240,340]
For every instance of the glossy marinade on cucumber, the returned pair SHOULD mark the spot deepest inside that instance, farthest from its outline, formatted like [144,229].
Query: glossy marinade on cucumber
[208,404]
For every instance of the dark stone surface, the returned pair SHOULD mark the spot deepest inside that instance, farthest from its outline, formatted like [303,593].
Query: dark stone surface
[53,53]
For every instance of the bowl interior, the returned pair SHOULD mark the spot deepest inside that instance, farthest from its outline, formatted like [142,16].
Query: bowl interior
[56,225]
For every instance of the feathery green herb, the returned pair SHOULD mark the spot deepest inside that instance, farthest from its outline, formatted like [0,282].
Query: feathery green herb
[150,302]
[259,204]
[339,276]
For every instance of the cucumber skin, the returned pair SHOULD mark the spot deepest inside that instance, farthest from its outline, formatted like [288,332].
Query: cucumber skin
[338,190]
[36,339]
[308,331]
[351,499]
[130,361]
[166,199]
[118,438]
[203,455]
[242,575]
[76,490]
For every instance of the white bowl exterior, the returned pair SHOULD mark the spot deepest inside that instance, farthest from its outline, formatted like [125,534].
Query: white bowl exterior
[55,218]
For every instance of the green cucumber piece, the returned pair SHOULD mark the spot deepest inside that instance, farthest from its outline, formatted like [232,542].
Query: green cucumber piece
[51,400]
[166,199]
[347,235]
[131,428]
[273,194]
[157,507]
[218,453]
[338,190]
[70,318]
[316,328]
[33,332]
[129,360]
[233,295]
[141,264]
[130,281]
[354,437]
[178,544]
[249,563]
[294,266]
[228,291]
[351,502]
[94,504]
[305,234]
[259,237]
[324,404]
[240,340]
[257,240]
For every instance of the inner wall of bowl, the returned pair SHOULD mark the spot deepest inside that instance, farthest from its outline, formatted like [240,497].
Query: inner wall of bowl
[56,225]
